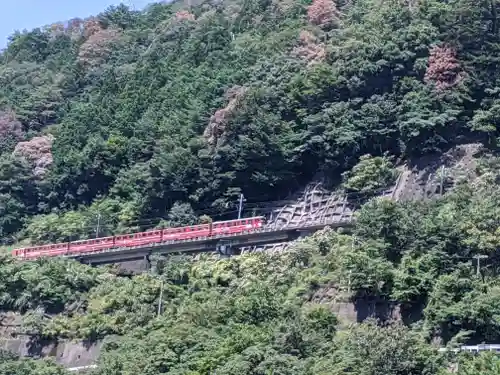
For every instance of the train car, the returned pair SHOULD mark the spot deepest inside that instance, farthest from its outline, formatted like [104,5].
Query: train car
[186,233]
[138,239]
[91,245]
[237,226]
[41,251]
[221,228]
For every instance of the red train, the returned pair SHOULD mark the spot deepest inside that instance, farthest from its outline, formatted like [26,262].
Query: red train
[141,239]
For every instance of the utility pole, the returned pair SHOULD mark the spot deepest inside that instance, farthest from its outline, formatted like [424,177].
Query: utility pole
[241,206]
[161,298]
[478,257]
[98,224]
[442,181]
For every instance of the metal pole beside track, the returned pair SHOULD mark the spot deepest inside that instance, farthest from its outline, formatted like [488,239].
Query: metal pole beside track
[241,206]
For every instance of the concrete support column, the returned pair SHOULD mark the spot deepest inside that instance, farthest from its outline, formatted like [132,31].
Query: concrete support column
[224,248]
[147,262]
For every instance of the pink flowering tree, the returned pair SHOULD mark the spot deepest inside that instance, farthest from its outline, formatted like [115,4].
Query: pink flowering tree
[11,130]
[323,13]
[38,151]
[184,15]
[443,69]
[309,49]
[97,47]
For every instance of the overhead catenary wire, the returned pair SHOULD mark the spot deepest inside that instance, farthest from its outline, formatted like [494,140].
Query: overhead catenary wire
[110,226]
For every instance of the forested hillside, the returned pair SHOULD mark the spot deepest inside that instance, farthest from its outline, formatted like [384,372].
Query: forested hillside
[261,314]
[144,116]
[157,117]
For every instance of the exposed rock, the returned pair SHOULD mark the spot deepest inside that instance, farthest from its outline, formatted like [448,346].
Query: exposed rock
[214,132]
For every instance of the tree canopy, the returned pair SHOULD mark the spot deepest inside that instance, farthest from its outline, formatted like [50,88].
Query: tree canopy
[138,113]
[164,116]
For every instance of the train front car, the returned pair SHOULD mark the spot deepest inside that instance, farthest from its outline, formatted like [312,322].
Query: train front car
[18,253]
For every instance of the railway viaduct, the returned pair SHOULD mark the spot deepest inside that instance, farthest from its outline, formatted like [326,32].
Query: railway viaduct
[224,244]
[313,209]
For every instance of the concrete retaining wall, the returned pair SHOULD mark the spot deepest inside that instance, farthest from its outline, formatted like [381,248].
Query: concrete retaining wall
[66,353]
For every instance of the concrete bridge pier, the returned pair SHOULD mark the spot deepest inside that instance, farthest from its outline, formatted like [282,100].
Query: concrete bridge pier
[224,248]
[147,262]
[136,266]
[302,233]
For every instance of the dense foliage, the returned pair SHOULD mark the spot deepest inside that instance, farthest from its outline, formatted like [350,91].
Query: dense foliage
[264,313]
[164,116]
[130,114]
